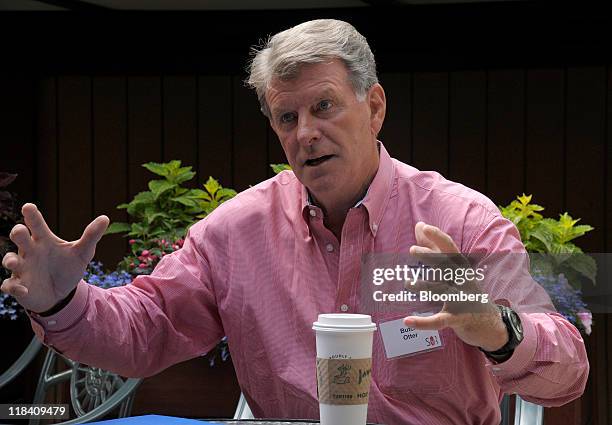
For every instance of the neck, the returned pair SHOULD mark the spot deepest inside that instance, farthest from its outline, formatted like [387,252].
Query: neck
[335,210]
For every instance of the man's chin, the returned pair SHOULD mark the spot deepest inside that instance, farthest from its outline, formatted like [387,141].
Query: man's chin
[321,188]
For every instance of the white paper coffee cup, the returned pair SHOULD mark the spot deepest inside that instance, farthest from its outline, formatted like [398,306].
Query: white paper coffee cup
[344,364]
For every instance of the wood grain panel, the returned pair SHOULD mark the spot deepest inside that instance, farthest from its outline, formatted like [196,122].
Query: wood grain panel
[276,154]
[608,166]
[544,133]
[585,151]
[110,168]
[180,121]
[190,389]
[74,155]
[17,123]
[396,132]
[584,197]
[46,146]
[250,138]
[144,120]
[430,121]
[215,128]
[505,135]
[468,128]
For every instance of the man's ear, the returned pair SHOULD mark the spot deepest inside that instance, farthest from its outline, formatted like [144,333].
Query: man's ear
[378,107]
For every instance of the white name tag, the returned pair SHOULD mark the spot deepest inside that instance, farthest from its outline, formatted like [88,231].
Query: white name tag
[400,340]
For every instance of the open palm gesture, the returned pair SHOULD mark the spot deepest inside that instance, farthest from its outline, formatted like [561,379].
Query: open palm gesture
[46,268]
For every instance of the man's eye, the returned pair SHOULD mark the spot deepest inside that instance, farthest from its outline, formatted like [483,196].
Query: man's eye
[286,118]
[324,105]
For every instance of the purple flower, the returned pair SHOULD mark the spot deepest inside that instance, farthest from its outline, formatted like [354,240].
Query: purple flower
[9,308]
[566,299]
[94,275]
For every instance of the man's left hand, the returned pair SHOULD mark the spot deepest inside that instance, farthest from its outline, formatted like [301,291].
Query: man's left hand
[483,328]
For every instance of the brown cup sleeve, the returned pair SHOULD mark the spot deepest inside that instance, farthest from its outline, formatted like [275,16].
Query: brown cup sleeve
[343,381]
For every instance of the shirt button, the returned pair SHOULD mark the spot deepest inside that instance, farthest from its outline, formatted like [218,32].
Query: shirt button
[329,247]
[313,213]
[375,227]
[344,307]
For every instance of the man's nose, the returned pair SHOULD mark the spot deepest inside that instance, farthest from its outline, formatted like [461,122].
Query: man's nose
[307,130]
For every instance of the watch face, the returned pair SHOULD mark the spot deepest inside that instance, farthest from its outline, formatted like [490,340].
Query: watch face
[516,324]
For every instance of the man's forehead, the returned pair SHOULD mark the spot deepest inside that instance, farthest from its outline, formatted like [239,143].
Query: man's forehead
[300,92]
[293,91]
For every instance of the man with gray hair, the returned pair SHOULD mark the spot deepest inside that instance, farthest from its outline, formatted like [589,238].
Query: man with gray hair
[263,265]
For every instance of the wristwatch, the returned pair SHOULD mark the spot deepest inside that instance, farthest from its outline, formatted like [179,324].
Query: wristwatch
[515,334]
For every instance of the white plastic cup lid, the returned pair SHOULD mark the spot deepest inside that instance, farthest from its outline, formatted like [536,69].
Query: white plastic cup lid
[344,322]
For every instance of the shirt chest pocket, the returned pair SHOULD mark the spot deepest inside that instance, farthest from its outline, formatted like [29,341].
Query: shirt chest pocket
[431,372]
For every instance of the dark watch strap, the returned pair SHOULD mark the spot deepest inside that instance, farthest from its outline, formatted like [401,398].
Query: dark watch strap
[59,306]
[515,335]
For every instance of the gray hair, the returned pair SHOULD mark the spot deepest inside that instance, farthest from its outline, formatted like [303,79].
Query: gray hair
[312,42]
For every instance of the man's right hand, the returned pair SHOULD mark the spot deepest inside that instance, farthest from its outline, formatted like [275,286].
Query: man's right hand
[46,268]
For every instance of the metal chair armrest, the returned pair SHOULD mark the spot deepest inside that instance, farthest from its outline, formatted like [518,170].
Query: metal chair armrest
[527,413]
[122,395]
[21,363]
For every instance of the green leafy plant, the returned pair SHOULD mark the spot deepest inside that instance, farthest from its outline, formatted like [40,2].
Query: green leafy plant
[557,264]
[553,239]
[168,209]
[277,168]
[145,255]
[212,196]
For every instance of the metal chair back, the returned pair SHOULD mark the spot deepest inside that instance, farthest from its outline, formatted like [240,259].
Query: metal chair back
[94,392]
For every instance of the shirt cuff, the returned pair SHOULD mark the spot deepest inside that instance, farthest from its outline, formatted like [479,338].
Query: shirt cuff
[523,353]
[64,318]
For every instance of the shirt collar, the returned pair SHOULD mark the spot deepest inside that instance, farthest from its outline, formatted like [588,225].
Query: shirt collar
[377,196]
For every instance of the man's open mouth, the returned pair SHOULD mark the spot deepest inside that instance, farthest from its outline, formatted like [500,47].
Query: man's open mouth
[316,161]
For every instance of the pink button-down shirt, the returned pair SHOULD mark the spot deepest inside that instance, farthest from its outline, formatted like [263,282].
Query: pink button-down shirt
[261,268]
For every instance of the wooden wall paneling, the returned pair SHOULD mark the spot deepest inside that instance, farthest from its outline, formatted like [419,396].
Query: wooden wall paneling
[144,121]
[396,132]
[215,128]
[608,164]
[17,155]
[17,108]
[585,151]
[603,399]
[276,154]
[430,121]
[607,399]
[74,155]
[584,194]
[46,193]
[468,128]
[46,149]
[180,132]
[191,389]
[110,156]
[250,138]
[505,135]
[544,133]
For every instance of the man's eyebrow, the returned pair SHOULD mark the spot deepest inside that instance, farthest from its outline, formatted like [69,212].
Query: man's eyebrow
[279,110]
[327,92]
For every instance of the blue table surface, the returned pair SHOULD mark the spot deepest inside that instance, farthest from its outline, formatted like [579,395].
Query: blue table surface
[170,420]
[153,420]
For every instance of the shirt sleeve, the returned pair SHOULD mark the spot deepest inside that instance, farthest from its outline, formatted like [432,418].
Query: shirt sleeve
[550,366]
[142,328]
